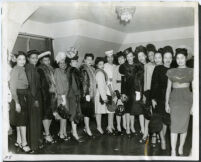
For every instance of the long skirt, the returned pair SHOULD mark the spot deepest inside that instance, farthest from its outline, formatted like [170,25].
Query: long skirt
[34,128]
[180,105]
[20,118]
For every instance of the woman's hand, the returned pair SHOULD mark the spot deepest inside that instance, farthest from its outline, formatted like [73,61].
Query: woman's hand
[138,96]
[167,108]
[154,103]
[123,97]
[36,103]
[18,107]
[88,98]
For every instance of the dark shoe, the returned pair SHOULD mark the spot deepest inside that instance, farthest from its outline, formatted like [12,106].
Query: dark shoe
[90,136]
[109,132]
[100,133]
[143,140]
[79,140]
[48,139]
[19,145]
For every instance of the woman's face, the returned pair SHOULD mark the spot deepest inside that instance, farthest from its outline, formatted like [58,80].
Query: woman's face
[130,58]
[88,61]
[121,60]
[21,60]
[142,57]
[167,59]
[62,64]
[158,58]
[110,59]
[45,61]
[181,60]
[100,65]
[151,56]
[74,63]
[33,59]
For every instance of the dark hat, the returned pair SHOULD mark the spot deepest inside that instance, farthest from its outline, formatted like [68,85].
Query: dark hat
[155,124]
[29,53]
[119,54]
[128,50]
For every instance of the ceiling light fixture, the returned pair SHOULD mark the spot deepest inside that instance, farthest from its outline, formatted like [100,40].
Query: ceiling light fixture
[125,14]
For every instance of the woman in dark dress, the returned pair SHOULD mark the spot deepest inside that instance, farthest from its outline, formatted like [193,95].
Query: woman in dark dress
[179,99]
[35,110]
[20,101]
[88,90]
[48,89]
[158,89]
[131,89]
[74,93]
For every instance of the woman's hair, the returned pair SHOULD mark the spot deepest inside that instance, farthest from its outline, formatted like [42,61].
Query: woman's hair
[89,55]
[99,59]
[150,47]
[120,54]
[139,49]
[182,51]
[20,53]
[127,51]
[31,52]
[168,49]
[160,50]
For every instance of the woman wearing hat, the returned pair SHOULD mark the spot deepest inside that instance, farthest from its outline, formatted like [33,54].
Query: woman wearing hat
[179,100]
[88,90]
[62,87]
[35,111]
[101,98]
[130,92]
[20,101]
[48,88]
[109,68]
[118,86]
[158,89]
[73,96]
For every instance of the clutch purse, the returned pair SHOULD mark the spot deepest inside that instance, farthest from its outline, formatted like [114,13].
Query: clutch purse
[63,112]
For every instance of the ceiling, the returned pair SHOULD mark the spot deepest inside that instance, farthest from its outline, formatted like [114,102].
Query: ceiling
[145,18]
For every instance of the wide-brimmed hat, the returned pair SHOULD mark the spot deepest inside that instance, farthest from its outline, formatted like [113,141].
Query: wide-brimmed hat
[109,53]
[72,53]
[43,54]
[60,56]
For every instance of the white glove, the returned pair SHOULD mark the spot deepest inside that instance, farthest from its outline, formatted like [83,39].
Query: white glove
[88,98]
[138,96]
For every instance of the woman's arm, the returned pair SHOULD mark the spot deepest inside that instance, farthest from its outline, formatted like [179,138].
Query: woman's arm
[168,90]
[100,79]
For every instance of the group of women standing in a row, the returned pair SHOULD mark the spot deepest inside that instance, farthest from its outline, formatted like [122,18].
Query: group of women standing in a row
[143,77]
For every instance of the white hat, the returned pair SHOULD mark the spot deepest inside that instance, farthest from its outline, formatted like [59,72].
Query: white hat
[109,53]
[44,54]
[60,56]
[72,52]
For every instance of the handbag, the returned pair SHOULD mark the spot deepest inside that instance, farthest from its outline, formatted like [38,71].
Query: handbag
[147,111]
[63,112]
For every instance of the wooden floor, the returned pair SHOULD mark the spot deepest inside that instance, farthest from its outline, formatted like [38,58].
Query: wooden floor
[105,144]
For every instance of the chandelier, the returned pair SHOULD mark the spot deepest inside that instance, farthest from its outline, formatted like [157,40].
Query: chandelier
[125,14]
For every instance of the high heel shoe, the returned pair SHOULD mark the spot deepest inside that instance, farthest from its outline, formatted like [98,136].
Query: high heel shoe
[180,152]
[79,140]
[143,140]
[100,132]
[50,141]
[91,136]
[26,149]
[109,132]
[64,139]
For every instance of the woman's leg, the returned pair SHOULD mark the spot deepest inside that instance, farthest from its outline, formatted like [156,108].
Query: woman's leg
[182,141]
[24,139]
[61,131]
[19,139]
[146,131]
[124,121]
[118,118]
[127,123]
[173,143]
[163,141]
[109,126]
[98,122]
[164,129]
[74,130]
[132,121]
[46,125]
[86,123]
[141,117]
[64,127]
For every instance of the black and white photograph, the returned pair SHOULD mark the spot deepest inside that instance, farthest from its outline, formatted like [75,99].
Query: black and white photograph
[111,80]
